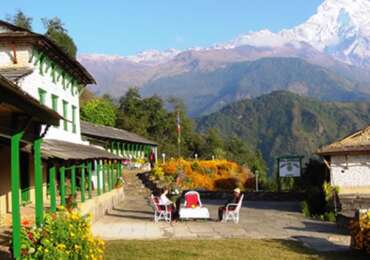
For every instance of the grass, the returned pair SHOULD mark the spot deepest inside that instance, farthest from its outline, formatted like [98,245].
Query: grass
[215,249]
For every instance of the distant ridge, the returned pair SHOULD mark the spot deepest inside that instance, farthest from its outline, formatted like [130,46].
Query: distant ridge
[285,123]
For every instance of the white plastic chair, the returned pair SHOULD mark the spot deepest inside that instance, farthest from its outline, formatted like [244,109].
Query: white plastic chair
[232,210]
[161,212]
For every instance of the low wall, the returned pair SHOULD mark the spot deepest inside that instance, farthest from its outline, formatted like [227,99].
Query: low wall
[98,206]
[251,196]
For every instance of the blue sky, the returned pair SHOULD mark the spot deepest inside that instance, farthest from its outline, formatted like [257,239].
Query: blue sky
[126,27]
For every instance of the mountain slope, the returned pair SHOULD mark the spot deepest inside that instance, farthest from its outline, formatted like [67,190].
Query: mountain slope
[284,123]
[205,92]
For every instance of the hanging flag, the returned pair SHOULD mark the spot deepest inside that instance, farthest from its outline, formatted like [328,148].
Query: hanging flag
[178,128]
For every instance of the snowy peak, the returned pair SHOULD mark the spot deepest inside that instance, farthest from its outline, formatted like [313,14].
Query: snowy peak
[154,57]
[340,28]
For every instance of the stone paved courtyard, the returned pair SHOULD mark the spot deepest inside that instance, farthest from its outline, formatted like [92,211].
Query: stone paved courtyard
[133,219]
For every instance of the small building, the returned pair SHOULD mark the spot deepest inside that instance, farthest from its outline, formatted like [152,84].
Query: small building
[119,141]
[349,162]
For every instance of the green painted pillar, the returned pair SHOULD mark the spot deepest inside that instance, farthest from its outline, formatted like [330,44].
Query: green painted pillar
[39,199]
[62,186]
[98,169]
[112,147]
[109,176]
[73,180]
[15,186]
[104,175]
[53,196]
[89,172]
[82,183]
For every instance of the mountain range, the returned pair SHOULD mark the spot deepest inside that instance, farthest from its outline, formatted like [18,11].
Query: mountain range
[283,123]
[336,37]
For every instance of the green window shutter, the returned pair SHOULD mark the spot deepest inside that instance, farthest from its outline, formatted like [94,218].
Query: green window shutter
[65,114]
[74,119]
[42,95]
[54,102]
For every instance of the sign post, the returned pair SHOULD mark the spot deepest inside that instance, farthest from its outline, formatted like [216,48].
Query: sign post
[288,166]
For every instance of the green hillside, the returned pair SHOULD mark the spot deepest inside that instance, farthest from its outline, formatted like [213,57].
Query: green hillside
[283,123]
[206,92]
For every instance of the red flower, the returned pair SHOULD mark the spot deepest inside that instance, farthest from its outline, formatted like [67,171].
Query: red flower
[30,236]
[25,223]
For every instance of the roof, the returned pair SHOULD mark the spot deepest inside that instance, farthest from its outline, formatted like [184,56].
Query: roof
[355,142]
[15,96]
[15,73]
[90,129]
[51,148]
[17,34]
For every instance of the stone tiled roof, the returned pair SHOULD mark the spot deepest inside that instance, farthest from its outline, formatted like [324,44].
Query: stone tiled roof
[356,142]
[15,73]
[89,129]
[20,35]
[71,151]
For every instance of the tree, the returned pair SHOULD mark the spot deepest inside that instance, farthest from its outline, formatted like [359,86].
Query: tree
[56,31]
[99,111]
[21,20]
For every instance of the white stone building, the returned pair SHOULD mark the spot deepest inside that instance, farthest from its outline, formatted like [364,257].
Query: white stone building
[349,162]
[47,74]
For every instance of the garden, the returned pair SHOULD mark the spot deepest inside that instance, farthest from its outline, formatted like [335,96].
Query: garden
[65,234]
[210,175]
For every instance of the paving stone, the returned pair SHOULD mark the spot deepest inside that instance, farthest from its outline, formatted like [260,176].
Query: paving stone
[133,219]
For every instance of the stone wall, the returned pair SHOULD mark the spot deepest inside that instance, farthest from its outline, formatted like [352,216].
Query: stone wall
[98,206]
[351,172]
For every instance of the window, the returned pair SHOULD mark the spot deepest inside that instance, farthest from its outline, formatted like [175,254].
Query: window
[42,95]
[65,114]
[74,119]
[54,102]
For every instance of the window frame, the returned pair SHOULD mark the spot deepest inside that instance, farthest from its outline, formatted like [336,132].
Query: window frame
[65,115]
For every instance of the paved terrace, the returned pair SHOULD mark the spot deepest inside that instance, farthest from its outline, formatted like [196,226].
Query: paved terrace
[133,219]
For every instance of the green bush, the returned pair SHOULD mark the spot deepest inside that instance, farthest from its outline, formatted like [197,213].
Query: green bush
[305,209]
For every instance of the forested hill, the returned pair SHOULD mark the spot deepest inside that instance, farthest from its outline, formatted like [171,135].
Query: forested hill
[283,123]
[207,91]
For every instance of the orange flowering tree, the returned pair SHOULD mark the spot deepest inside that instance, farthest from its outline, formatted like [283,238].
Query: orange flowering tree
[209,175]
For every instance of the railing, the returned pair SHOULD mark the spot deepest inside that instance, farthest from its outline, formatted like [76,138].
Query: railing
[107,175]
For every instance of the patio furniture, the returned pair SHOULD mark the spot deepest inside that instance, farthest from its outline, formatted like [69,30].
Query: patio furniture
[231,211]
[161,212]
[193,208]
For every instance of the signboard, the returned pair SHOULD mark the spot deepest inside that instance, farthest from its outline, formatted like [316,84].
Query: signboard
[290,167]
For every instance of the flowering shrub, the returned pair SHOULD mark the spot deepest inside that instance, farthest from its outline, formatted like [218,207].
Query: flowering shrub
[360,232]
[208,175]
[64,235]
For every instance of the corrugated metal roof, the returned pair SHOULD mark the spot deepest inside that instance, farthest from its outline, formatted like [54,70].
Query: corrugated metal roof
[89,129]
[71,151]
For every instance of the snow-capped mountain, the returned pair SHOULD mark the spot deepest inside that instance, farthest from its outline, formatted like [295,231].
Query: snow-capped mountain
[336,37]
[340,28]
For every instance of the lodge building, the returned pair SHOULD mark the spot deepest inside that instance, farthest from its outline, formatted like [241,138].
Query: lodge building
[44,157]
[348,160]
